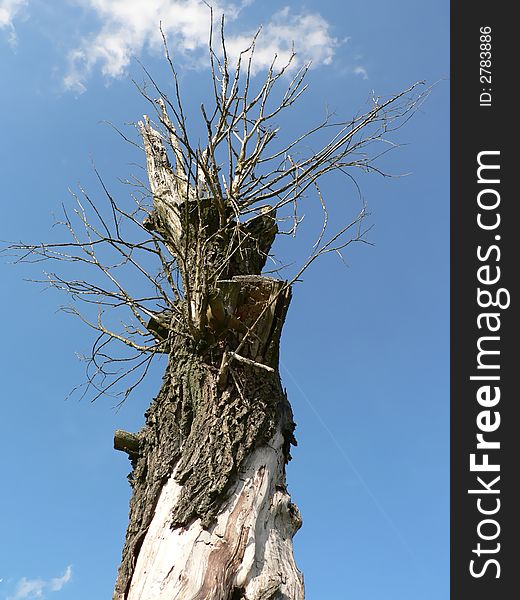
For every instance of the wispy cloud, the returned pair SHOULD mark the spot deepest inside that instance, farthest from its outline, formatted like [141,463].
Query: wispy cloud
[359,70]
[8,11]
[36,588]
[129,27]
[57,583]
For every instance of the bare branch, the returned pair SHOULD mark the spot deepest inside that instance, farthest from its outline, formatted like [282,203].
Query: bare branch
[210,213]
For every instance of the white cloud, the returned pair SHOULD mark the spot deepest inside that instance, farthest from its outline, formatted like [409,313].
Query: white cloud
[309,32]
[29,588]
[35,588]
[57,583]
[361,71]
[129,27]
[8,11]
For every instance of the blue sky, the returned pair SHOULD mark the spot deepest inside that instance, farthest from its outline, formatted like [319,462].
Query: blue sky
[365,348]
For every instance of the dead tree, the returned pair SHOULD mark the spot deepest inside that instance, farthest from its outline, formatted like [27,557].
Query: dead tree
[210,514]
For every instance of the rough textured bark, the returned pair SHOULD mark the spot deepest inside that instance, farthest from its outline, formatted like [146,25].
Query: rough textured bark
[210,515]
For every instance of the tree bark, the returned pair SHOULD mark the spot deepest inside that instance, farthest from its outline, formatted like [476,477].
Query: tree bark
[210,515]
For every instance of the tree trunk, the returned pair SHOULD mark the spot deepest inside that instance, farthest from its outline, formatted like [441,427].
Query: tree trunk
[210,515]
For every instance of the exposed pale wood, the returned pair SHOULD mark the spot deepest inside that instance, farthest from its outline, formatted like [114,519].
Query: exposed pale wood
[165,187]
[247,552]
